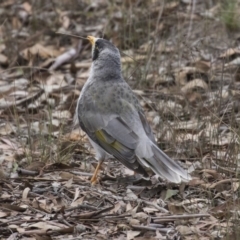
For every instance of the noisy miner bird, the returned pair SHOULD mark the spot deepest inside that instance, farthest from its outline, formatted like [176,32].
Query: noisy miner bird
[111,115]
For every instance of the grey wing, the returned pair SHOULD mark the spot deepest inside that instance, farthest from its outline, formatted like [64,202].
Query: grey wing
[146,126]
[114,135]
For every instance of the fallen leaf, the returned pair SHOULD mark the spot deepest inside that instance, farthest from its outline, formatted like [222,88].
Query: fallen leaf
[132,234]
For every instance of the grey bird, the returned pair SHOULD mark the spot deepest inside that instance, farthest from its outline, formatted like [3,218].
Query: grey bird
[111,115]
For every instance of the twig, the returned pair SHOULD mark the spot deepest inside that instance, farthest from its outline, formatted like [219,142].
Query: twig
[66,223]
[47,180]
[106,217]
[25,221]
[89,219]
[156,225]
[184,216]
[214,185]
[89,215]
[132,187]
[176,217]
[81,173]
[155,206]
[26,172]
[146,228]
[10,221]
[50,232]
[191,18]
[71,35]
[81,206]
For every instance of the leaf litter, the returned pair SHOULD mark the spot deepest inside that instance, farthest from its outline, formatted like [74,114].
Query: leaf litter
[186,75]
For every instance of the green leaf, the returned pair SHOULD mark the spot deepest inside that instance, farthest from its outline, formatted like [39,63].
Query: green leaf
[170,193]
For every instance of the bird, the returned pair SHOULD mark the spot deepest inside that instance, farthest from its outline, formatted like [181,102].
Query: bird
[110,114]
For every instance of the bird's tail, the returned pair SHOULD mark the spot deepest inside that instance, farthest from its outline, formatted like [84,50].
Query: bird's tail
[163,165]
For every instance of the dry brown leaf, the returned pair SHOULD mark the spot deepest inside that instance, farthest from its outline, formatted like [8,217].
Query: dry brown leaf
[25,193]
[27,7]
[203,66]
[44,226]
[185,230]
[136,58]
[6,129]
[4,214]
[133,221]
[43,51]
[230,53]
[140,216]
[131,195]
[13,207]
[194,84]
[132,234]
[150,210]
[119,208]
[3,59]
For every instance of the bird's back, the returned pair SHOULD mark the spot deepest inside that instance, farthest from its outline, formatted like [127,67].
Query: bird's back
[107,98]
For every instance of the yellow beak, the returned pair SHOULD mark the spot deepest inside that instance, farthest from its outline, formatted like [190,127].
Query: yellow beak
[92,40]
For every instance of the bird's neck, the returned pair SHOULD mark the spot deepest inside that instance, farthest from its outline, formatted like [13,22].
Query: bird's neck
[107,70]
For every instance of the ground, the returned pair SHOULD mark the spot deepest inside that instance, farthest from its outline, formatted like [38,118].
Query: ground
[181,58]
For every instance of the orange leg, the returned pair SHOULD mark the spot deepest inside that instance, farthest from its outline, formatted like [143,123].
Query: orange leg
[94,177]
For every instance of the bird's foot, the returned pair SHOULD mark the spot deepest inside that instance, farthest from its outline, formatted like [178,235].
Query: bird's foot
[94,180]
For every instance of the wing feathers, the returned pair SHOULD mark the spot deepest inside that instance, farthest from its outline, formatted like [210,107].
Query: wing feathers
[124,154]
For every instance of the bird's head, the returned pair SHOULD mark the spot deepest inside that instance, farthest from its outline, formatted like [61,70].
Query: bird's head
[102,49]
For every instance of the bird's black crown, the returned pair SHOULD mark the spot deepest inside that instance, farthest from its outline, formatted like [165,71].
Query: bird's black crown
[100,45]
